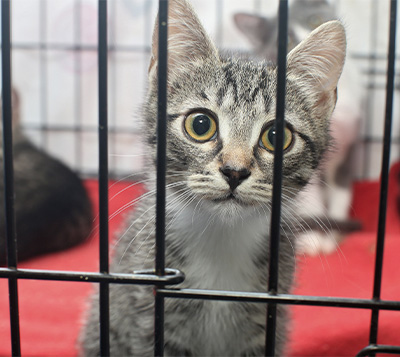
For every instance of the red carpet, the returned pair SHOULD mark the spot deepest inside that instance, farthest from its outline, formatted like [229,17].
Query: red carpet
[51,312]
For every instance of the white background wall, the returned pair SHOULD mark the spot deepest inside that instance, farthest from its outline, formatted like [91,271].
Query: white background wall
[58,83]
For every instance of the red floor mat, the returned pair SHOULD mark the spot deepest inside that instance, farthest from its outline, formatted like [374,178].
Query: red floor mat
[51,312]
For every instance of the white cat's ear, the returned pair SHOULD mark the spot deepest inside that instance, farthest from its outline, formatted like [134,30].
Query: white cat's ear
[319,59]
[188,41]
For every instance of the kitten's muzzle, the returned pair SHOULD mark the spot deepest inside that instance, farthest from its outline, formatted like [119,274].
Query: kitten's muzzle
[234,177]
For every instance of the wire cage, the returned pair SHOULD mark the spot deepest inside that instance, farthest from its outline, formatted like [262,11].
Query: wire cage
[109,135]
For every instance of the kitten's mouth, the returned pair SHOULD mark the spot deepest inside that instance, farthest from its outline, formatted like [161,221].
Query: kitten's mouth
[232,197]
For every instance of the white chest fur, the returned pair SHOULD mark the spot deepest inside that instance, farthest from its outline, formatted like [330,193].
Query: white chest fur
[218,256]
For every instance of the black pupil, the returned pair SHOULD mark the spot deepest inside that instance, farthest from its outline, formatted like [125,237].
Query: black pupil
[201,124]
[271,136]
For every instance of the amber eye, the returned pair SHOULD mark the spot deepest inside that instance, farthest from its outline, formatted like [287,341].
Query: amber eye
[200,127]
[267,139]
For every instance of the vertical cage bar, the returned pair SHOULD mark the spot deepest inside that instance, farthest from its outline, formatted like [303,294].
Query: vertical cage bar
[103,177]
[384,171]
[11,241]
[161,170]
[277,178]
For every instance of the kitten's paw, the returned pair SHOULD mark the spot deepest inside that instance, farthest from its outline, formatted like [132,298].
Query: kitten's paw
[314,243]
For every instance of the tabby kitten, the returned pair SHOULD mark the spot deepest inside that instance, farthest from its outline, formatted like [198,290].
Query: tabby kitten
[52,209]
[220,154]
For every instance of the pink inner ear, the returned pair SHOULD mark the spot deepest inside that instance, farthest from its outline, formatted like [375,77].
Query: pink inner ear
[320,57]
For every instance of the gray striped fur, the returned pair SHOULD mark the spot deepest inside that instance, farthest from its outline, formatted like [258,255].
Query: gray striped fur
[216,235]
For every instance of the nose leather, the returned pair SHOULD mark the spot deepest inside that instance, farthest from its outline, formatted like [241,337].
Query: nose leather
[234,177]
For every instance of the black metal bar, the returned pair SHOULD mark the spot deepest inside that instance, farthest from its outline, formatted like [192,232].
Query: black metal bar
[159,325]
[14,317]
[277,179]
[161,170]
[103,178]
[11,242]
[142,277]
[161,135]
[7,136]
[372,349]
[280,299]
[384,173]
[174,277]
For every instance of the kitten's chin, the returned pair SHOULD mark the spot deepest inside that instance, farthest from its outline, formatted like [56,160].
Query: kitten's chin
[230,209]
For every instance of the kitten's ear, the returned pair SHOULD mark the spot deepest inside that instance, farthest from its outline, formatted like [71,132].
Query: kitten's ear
[188,41]
[318,60]
[256,28]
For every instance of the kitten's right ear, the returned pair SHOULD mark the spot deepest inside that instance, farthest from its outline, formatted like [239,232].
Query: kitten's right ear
[316,64]
[188,41]
[318,60]
[256,28]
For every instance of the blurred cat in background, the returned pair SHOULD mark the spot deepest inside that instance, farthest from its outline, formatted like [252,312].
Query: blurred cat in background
[329,193]
[52,209]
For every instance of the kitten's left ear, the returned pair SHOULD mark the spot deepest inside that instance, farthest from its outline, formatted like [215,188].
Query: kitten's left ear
[318,60]
[188,41]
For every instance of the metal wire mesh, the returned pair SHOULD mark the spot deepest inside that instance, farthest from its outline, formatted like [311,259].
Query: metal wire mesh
[161,277]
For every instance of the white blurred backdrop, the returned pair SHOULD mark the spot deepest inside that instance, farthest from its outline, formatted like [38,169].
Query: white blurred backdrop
[54,63]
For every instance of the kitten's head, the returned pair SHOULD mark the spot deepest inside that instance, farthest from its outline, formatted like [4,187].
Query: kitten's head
[221,113]
[304,16]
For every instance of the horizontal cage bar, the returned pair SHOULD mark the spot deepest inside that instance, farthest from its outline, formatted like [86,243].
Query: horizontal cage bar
[372,349]
[286,299]
[142,277]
